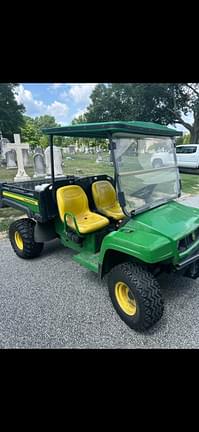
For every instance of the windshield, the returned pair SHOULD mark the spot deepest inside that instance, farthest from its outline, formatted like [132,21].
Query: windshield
[147,170]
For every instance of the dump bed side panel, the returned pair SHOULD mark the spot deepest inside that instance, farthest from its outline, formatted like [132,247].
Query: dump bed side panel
[26,201]
[35,198]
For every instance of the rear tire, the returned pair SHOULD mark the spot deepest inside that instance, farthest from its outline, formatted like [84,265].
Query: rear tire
[21,235]
[135,295]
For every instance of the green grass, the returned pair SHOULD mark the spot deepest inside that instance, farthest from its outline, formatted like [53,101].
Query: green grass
[190,183]
[8,175]
[87,164]
[4,225]
[83,164]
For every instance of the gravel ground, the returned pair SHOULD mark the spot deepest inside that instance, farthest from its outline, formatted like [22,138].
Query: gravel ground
[52,302]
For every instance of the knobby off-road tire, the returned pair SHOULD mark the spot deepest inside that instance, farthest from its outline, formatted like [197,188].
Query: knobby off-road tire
[21,235]
[135,295]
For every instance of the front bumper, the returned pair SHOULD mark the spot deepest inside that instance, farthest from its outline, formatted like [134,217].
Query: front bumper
[190,266]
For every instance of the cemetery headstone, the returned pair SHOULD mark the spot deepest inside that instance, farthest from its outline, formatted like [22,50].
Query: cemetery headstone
[39,150]
[11,159]
[26,158]
[58,172]
[99,157]
[72,149]
[3,144]
[39,165]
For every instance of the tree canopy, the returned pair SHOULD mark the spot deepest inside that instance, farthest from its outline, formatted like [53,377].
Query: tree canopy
[165,103]
[11,113]
[32,130]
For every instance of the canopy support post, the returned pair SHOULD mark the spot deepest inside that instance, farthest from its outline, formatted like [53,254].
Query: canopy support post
[52,159]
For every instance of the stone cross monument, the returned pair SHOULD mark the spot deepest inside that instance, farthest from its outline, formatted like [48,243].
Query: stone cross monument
[18,146]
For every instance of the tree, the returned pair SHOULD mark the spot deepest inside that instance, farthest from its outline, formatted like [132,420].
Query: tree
[80,119]
[186,138]
[88,142]
[29,132]
[46,121]
[164,103]
[32,130]
[11,113]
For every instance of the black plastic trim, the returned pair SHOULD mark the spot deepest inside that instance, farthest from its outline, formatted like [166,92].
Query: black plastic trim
[187,262]
[11,203]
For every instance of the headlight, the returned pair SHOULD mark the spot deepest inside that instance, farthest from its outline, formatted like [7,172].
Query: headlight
[187,241]
[182,245]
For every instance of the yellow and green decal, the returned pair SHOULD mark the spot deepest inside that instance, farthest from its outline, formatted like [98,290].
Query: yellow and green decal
[31,202]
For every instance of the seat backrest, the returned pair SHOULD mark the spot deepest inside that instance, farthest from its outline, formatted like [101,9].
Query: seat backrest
[104,194]
[71,199]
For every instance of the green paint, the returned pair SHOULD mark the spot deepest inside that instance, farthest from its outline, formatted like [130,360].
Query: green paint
[152,236]
[88,260]
[89,240]
[24,200]
[103,129]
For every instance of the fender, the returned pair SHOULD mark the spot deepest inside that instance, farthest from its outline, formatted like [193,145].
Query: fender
[44,232]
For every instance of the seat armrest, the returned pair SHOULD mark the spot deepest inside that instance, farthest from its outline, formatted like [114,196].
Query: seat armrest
[74,220]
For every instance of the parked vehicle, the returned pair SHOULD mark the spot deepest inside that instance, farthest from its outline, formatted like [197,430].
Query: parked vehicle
[129,227]
[187,156]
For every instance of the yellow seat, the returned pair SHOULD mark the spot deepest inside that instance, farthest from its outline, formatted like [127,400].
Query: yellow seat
[73,199]
[104,196]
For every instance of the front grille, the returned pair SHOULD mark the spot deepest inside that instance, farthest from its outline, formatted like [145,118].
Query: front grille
[188,241]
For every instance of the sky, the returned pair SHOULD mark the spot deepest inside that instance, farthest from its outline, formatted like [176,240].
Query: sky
[61,100]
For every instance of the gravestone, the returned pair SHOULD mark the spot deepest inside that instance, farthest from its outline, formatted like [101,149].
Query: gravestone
[71,149]
[18,147]
[39,150]
[3,145]
[99,157]
[11,162]
[39,165]
[86,150]
[26,158]
[58,172]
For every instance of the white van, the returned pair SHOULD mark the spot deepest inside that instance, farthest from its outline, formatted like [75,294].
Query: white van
[187,156]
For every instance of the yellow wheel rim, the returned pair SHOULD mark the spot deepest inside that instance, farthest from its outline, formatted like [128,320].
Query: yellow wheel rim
[125,298]
[18,240]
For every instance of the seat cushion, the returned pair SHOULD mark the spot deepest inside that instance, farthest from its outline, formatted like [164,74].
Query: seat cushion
[104,196]
[73,199]
[114,212]
[89,222]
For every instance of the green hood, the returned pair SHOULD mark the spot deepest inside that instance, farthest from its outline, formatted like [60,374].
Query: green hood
[151,236]
[172,220]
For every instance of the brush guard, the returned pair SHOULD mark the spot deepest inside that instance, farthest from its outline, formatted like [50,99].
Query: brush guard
[190,267]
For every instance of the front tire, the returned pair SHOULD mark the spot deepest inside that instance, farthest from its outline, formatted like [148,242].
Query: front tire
[135,295]
[21,235]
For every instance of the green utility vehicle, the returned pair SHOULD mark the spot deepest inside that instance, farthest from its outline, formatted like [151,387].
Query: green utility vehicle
[128,227]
